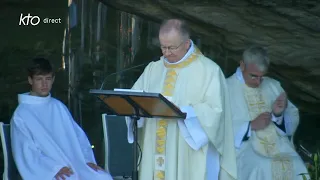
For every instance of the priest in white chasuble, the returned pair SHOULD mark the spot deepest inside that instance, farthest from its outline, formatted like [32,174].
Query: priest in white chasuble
[199,147]
[47,144]
[264,122]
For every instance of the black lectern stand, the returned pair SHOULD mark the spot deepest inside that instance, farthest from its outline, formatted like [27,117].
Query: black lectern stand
[137,105]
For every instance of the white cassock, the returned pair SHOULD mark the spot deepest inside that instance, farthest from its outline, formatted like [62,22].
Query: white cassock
[267,154]
[199,147]
[45,138]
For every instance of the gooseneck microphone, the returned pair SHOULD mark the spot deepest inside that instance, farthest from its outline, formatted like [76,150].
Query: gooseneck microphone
[124,70]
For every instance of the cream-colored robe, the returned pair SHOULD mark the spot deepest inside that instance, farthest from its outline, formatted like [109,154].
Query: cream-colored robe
[268,154]
[200,147]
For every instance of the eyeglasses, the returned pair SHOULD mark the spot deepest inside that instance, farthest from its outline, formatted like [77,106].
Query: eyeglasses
[171,48]
[255,77]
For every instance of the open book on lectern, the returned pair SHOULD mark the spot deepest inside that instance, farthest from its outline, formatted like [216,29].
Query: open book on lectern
[128,102]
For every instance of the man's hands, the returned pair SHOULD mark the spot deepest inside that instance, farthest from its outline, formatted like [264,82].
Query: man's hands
[95,167]
[65,171]
[261,121]
[280,104]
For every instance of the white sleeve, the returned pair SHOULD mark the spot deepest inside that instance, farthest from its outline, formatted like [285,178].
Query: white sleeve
[29,159]
[84,144]
[192,130]
[287,124]
[245,129]
[129,123]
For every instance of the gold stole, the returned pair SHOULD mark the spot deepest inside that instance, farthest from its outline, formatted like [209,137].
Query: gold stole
[266,142]
[161,132]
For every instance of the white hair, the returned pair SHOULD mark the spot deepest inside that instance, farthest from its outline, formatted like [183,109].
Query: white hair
[256,55]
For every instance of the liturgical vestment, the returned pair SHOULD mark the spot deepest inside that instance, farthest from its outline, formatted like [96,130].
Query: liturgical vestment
[199,147]
[45,138]
[266,154]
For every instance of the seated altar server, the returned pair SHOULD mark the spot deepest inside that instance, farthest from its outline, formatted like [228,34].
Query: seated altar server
[264,122]
[199,147]
[47,144]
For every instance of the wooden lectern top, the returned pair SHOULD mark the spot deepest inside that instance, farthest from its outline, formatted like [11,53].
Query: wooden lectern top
[126,103]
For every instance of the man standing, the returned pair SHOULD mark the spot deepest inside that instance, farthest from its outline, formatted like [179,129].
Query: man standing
[47,143]
[264,122]
[199,147]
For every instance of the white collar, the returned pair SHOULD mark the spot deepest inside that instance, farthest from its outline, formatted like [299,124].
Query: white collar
[190,51]
[26,98]
[239,75]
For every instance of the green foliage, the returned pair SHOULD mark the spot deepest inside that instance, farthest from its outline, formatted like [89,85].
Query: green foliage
[313,168]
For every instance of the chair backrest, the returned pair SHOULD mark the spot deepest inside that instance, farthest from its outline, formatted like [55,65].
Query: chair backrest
[118,152]
[10,170]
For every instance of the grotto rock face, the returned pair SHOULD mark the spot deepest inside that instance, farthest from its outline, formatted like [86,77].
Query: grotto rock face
[290,30]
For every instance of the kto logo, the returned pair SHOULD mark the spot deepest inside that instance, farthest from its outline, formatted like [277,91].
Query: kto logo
[26,20]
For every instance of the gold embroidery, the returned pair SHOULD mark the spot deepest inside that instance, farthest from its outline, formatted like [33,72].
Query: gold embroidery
[161,132]
[161,142]
[160,161]
[160,175]
[268,146]
[264,142]
[186,62]
[163,123]
[282,168]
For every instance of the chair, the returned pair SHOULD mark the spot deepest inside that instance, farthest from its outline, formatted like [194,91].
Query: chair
[10,170]
[118,152]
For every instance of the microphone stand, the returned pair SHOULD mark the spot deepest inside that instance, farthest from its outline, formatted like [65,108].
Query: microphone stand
[124,70]
[135,119]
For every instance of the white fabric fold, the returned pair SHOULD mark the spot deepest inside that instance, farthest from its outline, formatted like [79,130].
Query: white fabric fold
[241,133]
[278,120]
[191,129]
[45,138]
[129,123]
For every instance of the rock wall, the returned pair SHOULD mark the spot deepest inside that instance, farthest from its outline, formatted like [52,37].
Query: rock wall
[290,31]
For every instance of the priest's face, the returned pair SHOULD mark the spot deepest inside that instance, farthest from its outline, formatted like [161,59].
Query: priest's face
[252,76]
[41,84]
[173,45]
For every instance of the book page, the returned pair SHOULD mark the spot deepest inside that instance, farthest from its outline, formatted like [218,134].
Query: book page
[128,90]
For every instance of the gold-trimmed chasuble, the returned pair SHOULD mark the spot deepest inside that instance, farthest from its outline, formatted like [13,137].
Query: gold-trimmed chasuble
[161,132]
[265,142]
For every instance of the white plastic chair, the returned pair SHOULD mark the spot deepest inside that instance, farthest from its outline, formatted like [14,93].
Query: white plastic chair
[106,142]
[10,170]
[118,152]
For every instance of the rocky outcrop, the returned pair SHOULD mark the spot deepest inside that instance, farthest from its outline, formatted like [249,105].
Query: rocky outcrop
[289,29]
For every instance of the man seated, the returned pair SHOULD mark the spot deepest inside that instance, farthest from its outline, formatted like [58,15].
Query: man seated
[264,122]
[47,144]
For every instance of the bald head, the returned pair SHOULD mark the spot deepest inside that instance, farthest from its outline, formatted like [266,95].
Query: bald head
[177,25]
[174,39]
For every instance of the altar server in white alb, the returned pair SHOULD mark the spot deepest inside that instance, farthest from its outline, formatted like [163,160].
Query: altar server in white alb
[199,147]
[264,122]
[47,144]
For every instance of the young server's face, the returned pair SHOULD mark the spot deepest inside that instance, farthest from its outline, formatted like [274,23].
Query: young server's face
[41,84]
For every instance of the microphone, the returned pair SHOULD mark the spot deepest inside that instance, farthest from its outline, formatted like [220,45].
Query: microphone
[124,70]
